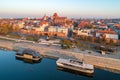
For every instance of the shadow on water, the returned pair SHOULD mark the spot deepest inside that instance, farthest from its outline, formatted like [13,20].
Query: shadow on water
[69,70]
[74,72]
[50,57]
[28,60]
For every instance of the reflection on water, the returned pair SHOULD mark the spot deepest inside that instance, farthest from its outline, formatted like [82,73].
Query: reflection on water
[74,72]
[28,60]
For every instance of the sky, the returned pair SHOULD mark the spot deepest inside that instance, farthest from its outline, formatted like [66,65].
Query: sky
[68,8]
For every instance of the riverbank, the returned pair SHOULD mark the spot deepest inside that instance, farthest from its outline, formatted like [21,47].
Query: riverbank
[98,61]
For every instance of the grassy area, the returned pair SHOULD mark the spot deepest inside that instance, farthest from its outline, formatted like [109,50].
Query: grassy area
[30,38]
[14,36]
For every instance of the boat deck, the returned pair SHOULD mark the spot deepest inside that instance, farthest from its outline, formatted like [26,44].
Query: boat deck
[75,65]
[35,59]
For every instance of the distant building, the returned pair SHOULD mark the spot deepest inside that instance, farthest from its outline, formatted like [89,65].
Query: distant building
[84,32]
[58,29]
[45,17]
[102,26]
[116,27]
[21,24]
[42,26]
[107,33]
[58,20]
[83,24]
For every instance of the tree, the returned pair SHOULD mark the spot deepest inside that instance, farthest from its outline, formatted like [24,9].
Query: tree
[111,42]
[36,38]
[85,38]
[15,28]
[78,44]
[4,29]
[100,40]
[90,26]
[7,27]
[92,39]
[66,43]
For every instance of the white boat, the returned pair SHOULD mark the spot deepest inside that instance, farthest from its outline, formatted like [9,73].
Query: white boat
[75,65]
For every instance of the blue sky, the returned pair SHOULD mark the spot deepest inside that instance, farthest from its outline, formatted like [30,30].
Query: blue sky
[69,8]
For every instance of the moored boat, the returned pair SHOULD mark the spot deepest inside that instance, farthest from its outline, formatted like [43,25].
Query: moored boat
[28,54]
[75,65]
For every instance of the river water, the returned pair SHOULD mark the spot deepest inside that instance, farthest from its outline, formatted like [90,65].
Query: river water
[14,69]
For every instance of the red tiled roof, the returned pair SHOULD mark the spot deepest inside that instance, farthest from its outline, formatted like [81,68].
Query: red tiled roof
[82,24]
[107,31]
[103,25]
[24,19]
[38,18]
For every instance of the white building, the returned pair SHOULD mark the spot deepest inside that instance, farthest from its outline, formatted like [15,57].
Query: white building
[108,33]
[60,29]
[112,36]
[84,32]
[103,26]
[52,29]
[41,26]
[39,29]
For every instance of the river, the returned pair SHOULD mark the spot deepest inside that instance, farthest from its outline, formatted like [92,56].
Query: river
[14,69]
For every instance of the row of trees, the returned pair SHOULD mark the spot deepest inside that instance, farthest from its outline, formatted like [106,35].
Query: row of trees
[32,38]
[6,28]
[99,40]
[66,43]
[105,48]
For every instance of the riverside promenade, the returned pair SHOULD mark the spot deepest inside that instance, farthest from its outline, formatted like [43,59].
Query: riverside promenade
[106,63]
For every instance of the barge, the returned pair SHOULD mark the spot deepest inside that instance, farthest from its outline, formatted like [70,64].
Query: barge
[28,54]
